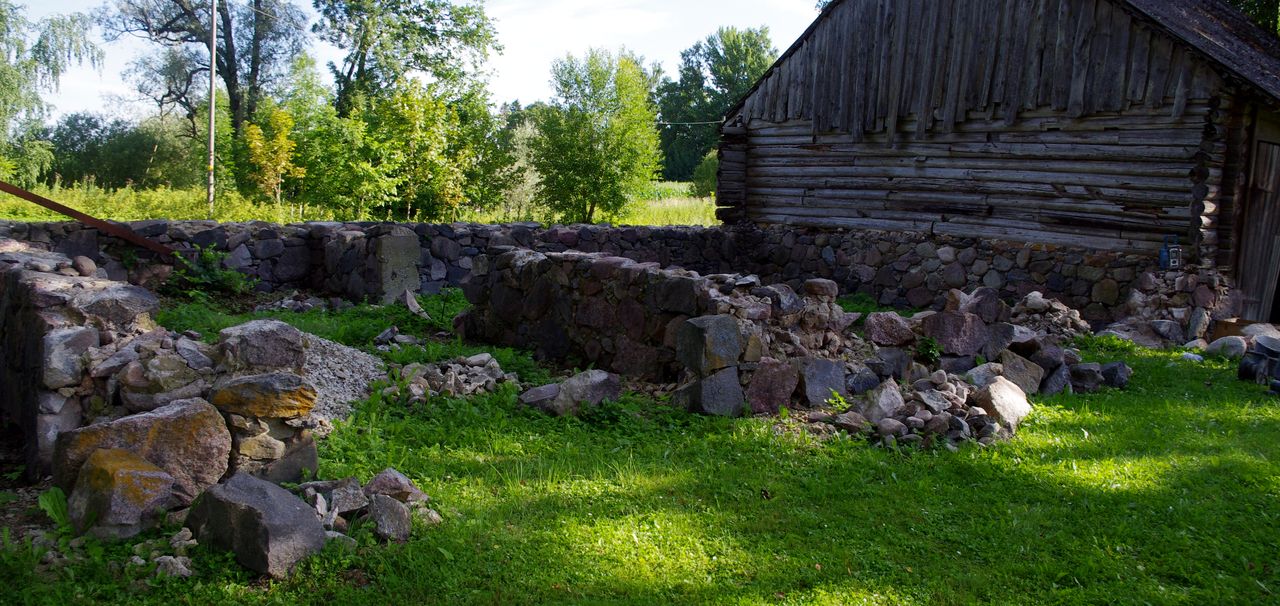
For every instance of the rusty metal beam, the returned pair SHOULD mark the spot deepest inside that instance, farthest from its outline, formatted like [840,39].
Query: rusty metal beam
[111,229]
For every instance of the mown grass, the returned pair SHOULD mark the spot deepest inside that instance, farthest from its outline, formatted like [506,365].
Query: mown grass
[1162,494]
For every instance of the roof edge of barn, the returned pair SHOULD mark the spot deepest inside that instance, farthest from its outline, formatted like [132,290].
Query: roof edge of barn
[1215,29]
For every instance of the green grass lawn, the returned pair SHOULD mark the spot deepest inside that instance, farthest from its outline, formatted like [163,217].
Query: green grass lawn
[1167,493]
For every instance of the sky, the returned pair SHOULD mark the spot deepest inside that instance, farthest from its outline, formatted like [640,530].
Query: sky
[533,33]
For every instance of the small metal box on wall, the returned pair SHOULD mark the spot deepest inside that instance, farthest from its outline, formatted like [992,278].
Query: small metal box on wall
[1171,254]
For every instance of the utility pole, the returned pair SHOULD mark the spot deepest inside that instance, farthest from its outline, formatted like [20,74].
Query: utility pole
[213,78]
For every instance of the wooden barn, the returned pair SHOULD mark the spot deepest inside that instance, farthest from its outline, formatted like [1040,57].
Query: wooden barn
[1104,124]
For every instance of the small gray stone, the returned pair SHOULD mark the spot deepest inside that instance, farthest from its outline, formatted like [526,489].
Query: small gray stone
[1232,348]
[396,485]
[1117,375]
[1058,381]
[266,344]
[888,328]
[860,380]
[820,379]
[1005,402]
[391,518]
[84,266]
[64,350]
[890,427]
[591,387]
[851,422]
[541,397]
[719,394]
[1024,373]
[1086,378]
[884,401]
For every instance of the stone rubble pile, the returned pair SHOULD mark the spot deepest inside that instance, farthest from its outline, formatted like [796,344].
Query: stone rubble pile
[460,377]
[940,410]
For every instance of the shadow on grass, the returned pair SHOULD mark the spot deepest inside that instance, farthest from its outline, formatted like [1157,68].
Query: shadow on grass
[1164,493]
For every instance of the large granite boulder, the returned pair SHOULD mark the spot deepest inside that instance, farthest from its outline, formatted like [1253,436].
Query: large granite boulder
[719,394]
[271,396]
[188,439]
[709,343]
[119,494]
[888,328]
[959,333]
[263,344]
[1005,402]
[772,386]
[269,529]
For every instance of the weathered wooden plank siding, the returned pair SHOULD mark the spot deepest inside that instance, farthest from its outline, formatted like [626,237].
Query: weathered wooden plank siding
[1057,121]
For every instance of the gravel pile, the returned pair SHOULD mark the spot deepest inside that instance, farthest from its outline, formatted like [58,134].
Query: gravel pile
[340,374]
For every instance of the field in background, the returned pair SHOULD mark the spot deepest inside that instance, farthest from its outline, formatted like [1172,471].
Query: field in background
[665,204]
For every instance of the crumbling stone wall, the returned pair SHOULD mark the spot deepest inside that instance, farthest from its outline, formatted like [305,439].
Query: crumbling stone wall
[664,325]
[51,314]
[77,348]
[904,269]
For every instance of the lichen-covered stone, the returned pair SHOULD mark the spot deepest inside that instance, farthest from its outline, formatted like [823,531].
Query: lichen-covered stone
[119,494]
[187,439]
[272,396]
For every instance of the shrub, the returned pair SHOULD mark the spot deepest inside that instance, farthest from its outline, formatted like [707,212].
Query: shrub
[704,176]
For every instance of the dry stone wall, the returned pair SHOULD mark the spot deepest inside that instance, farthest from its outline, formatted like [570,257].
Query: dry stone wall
[367,260]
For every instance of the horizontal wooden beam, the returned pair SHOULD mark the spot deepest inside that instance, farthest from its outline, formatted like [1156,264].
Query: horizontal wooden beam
[111,229]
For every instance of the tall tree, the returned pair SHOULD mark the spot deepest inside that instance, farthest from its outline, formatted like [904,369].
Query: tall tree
[33,58]
[256,41]
[384,40]
[597,143]
[714,74]
[271,151]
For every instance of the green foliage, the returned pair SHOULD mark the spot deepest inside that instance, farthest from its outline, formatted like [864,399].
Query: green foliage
[33,58]
[53,503]
[154,152]
[1109,344]
[705,177]
[838,402]
[928,351]
[271,151]
[1266,13]
[205,276]
[133,204]
[714,74]
[384,41]
[597,145]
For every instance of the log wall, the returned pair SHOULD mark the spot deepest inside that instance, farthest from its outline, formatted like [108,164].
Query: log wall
[1053,121]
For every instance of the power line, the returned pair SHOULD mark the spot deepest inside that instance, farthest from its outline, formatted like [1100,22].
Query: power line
[660,123]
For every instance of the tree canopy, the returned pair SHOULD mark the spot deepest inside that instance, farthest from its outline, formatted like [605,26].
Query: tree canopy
[597,143]
[714,74]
